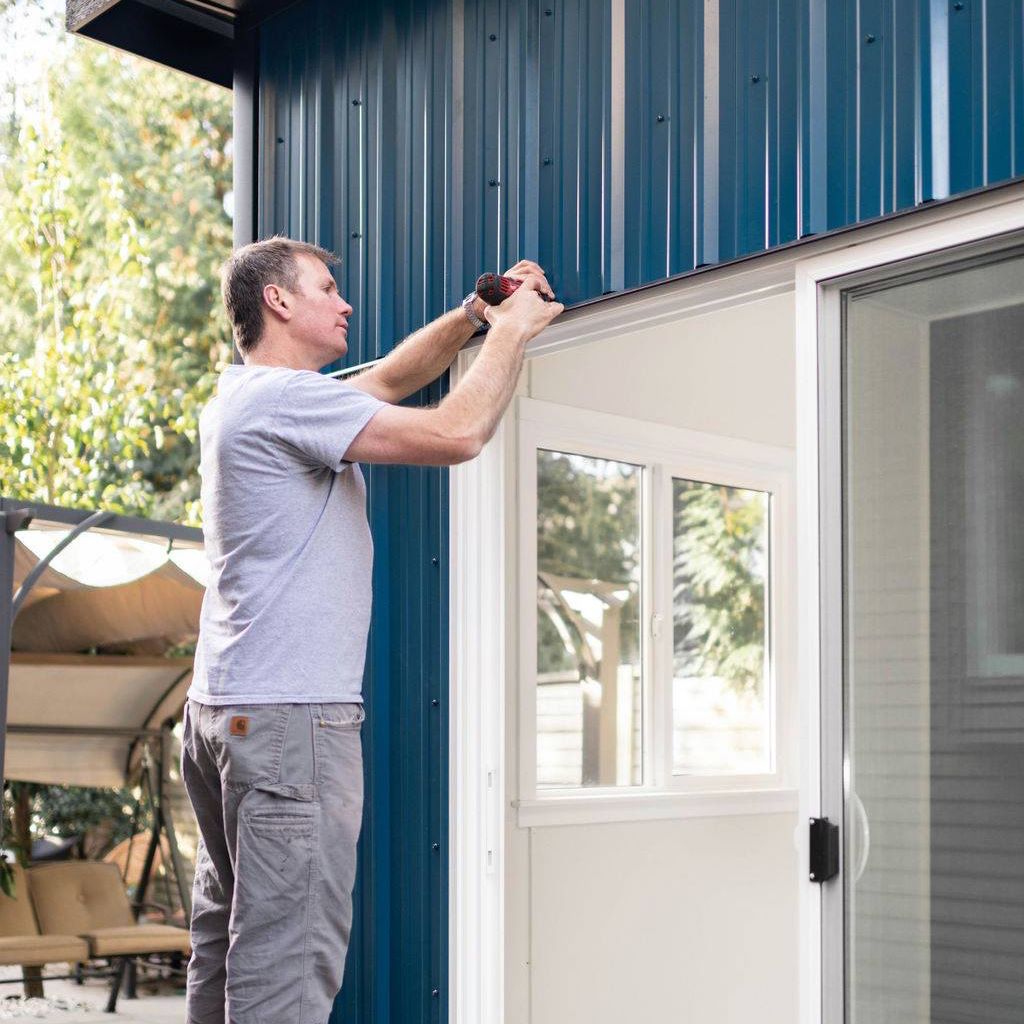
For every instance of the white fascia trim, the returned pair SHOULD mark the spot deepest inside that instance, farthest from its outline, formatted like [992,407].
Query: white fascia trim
[761,276]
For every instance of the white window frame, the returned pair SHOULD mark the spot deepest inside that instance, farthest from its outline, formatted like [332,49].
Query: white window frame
[663,453]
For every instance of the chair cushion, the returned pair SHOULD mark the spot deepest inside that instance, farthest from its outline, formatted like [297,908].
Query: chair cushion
[16,915]
[138,938]
[35,950]
[73,897]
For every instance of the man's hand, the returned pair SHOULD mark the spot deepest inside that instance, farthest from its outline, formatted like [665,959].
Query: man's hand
[527,268]
[522,270]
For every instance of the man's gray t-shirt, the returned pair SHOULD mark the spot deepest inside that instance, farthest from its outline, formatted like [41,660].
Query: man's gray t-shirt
[287,609]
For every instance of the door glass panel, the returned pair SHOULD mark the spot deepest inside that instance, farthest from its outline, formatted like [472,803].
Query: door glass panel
[933,434]
[589,686]
[719,629]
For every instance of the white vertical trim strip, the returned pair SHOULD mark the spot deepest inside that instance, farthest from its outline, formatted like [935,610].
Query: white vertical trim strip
[938,28]
[477,736]
[709,247]
[618,146]
[808,625]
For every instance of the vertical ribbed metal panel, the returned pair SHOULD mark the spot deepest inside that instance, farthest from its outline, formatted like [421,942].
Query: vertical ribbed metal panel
[428,142]
[986,92]
[871,81]
[758,116]
[663,128]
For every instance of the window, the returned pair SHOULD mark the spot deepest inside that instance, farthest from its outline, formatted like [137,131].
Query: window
[589,676]
[649,585]
[720,648]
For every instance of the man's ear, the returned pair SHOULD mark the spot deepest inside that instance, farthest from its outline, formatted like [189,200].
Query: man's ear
[278,301]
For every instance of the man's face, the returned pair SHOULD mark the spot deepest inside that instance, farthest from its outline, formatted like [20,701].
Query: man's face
[321,314]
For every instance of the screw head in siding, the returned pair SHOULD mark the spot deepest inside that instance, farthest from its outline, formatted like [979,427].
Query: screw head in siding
[435,993]
[755,79]
[660,118]
[435,703]
[494,183]
[357,234]
[435,847]
[869,38]
[958,7]
[547,161]
[548,12]
[493,38]
[279,139]
[357,103]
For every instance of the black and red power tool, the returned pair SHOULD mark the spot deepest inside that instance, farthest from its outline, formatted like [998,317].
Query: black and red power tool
[494,289]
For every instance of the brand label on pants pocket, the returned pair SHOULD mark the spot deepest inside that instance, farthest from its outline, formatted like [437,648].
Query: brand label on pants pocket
[239,725]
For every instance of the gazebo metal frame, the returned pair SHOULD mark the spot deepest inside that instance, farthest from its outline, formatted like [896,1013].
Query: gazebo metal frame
[16,515]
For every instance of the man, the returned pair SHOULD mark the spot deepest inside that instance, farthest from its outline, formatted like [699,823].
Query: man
[271,754]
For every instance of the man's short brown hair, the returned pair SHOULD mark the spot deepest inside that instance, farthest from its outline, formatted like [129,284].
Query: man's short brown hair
[249,269]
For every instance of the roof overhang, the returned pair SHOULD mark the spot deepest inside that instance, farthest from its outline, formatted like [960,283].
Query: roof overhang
[188,35]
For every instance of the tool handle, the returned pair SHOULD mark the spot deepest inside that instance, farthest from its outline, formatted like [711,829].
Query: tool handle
[494,289]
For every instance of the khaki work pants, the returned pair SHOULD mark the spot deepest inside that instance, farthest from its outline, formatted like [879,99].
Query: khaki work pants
[278,793]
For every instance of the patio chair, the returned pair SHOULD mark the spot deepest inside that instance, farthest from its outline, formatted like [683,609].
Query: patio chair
[21,943]
[87,898]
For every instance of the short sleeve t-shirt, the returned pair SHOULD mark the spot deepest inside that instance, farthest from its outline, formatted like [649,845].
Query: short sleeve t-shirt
[286,612]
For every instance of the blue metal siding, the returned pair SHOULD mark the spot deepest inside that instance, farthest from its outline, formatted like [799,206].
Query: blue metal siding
[482,131]
[663,138]
[986,91]
[343,89]
[426,142]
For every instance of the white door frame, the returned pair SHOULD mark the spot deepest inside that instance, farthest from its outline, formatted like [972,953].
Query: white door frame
[818,281]
[481,614]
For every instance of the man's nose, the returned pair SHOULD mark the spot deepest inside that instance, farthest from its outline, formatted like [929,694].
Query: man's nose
[346,308]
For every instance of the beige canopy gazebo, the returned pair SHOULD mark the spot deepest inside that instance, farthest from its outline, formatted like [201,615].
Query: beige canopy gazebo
[89,695]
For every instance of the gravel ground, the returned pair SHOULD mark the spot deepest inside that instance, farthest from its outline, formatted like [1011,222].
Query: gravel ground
[84,1004]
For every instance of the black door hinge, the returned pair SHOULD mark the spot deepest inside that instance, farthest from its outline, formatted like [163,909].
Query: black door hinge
[824,850]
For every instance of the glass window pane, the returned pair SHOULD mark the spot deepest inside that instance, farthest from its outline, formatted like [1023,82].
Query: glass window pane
[719,629]
[589,686]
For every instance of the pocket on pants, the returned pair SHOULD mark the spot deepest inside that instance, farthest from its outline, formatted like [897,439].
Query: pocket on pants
[275,883]
[340,716]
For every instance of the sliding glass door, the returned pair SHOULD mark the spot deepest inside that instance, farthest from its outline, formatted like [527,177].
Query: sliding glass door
[923,749]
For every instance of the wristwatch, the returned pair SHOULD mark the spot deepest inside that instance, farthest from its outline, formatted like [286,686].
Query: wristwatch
[467,306]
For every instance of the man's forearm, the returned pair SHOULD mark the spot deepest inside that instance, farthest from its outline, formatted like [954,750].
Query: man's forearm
[424,355]
[478,402]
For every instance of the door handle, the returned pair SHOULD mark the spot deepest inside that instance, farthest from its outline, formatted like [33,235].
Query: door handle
[862,828]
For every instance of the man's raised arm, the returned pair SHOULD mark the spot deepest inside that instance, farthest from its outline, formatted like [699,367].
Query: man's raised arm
[466,419]
[427,353]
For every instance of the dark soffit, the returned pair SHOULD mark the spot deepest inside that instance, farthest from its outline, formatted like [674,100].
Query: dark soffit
[188,35]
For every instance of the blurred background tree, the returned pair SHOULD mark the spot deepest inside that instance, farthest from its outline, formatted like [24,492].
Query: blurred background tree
[115,203]
[115,180]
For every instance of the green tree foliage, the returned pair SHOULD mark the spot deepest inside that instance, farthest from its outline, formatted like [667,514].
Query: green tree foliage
[588,528]
[113,178]
[719,563]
